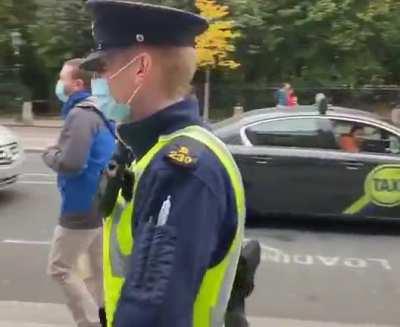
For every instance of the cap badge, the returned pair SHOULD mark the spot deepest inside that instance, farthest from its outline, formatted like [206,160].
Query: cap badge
[140,38]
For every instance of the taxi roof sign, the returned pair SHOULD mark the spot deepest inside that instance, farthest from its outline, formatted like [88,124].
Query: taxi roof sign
[322,103]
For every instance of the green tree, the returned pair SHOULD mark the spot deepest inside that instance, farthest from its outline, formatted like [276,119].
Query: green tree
[62,31]
[16,17]
[317,42]
[309,42]
[216,45]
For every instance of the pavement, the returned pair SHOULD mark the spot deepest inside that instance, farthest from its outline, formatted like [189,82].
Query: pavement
[16,314]
[312,273]
[39,123]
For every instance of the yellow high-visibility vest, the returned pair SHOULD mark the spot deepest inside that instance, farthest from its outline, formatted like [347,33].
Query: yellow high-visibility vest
[213,296]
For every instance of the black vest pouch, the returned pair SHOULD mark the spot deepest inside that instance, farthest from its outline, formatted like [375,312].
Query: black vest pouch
[115,178]
[243,286]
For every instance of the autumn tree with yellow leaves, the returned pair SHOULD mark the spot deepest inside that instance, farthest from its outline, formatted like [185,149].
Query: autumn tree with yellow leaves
[216,45]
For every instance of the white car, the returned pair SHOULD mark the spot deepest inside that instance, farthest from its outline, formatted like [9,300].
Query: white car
[11,157]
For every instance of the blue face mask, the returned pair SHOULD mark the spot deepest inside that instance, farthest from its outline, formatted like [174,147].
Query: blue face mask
[107,104]
[60,92]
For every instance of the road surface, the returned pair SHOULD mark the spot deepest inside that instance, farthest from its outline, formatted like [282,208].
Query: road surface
[312,274]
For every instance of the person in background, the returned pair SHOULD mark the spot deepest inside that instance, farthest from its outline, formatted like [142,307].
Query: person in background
[83,150]
[281,95]
[352,142]
[292,98]
[396,116]
[73,86]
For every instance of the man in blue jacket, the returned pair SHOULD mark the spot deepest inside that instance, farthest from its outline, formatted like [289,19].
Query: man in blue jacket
[84,147]
[281,95]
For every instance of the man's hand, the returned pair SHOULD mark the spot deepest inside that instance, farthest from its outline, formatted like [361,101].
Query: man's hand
[114,179]
[49,156]
[108,190]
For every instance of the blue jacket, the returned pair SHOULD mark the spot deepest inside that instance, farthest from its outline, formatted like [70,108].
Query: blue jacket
[281,97]
[202,214]
[84,148]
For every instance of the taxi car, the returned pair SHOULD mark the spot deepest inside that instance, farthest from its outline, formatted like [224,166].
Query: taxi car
[296,162]
[11,157]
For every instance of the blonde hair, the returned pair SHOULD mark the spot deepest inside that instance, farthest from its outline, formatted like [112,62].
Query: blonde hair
[178,65]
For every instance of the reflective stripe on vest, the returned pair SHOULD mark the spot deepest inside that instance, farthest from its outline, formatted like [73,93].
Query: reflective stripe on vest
[216,286]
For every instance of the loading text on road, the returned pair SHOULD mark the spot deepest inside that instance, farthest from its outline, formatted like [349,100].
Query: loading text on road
[271,254]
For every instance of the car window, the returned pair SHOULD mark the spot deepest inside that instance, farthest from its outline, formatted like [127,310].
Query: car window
[291,132]
[231,139]
[353,136]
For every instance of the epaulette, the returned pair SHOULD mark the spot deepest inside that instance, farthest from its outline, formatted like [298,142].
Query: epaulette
[184,152]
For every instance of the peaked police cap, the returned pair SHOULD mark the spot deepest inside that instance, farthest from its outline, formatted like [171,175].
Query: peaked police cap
[121,24]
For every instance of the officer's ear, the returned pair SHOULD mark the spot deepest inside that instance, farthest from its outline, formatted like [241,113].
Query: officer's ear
[80,84]
[145,64]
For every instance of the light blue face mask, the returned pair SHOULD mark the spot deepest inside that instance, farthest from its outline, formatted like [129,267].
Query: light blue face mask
[107,104]
[60,92]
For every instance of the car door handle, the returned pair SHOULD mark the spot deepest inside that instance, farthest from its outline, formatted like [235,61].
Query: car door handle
[353,165]
[261,160]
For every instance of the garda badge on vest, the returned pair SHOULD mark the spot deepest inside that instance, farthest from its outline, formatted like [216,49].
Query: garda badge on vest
[182,156]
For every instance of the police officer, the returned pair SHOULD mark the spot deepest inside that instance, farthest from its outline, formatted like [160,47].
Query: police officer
[172,248]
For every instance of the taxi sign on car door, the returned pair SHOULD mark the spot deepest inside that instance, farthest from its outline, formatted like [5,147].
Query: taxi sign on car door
[383,186]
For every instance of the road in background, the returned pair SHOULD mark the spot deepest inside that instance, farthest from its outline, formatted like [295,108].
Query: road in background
[311,274]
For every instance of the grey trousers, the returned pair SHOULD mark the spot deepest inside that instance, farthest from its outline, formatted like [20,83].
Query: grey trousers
[75,263]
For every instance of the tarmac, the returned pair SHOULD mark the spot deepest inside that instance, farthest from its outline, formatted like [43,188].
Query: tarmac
[35,137]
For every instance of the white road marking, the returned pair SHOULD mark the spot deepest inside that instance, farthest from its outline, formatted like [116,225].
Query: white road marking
[38,175]
[263,322]
[37,179]
[26,242]
[279,256]
[36,183]
[274,255]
